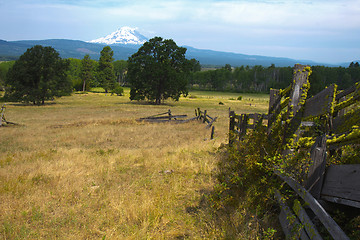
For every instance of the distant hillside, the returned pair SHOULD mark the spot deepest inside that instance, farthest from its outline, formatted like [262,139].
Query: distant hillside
[78,49]
[66,48]
[209,57]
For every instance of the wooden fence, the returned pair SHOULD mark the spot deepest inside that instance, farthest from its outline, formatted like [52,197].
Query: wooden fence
[206,118]
[202,116]
[290,114]
[163,117]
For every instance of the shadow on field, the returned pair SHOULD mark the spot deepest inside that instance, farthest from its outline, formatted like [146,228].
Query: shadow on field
[21,104]
[145,103]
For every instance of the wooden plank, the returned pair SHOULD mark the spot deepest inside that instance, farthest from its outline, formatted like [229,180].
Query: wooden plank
[343,182]
[190,119]
[210,117]
[211,123]
[284,224]
[310,228]
[290,224]
[345,92]
[165,117]
[341,201]
[350,101]
[316,171]
[319,104]
[335,231]
[243,125]
[341,123]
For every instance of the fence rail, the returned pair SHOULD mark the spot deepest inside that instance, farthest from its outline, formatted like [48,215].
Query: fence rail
[289,113]
[169,117]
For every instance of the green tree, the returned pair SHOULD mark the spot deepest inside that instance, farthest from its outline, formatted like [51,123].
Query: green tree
[120,69]
[194,65]
[106,75]
[38,75]
[87,73]
[4,68]
[74,72]
[159,70]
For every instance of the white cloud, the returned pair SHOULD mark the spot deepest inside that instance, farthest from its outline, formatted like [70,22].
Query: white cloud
[239,26]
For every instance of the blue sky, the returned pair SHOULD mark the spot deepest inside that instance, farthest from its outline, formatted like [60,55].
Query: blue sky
[320,30]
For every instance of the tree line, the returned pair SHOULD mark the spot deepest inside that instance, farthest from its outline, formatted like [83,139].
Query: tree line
[259,79]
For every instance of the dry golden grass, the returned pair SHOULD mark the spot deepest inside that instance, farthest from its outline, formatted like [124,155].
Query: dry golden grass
[83,168]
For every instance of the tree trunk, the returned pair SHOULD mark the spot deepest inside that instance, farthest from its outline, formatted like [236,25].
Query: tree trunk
[84,84]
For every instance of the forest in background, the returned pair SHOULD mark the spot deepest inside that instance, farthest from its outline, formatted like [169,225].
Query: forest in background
[259,79]
[250,79]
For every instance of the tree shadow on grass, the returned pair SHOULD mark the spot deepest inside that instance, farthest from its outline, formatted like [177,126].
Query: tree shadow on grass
[22,104]
[146,103]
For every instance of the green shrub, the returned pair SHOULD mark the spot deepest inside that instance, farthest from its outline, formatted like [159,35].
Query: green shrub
[239,98]
[118,90]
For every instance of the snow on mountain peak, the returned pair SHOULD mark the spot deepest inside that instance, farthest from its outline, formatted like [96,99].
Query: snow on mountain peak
[124,35]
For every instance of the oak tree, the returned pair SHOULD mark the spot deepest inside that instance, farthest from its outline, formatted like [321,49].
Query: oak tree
[159,70]
[38,75]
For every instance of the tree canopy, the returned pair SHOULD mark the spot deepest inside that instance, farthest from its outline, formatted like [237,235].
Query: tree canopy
[159,70]
[38,75]
[106,73]
[87,72]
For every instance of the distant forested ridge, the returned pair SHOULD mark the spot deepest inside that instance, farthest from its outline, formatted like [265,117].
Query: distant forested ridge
[259,79]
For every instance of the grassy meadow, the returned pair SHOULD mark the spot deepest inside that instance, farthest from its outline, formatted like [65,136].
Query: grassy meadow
[82,167]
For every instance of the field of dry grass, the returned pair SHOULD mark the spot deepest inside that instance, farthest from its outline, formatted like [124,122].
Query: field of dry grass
[82,167]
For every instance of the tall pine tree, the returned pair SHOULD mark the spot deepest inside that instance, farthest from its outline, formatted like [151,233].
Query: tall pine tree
[86,72]
[106,73]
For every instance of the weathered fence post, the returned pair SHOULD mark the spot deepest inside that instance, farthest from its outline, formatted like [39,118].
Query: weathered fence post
[231,127]
[204,120]
[298,94]
[2,112]
[316,171]
[169,112]
[243,125]
[274,101]
[212,133]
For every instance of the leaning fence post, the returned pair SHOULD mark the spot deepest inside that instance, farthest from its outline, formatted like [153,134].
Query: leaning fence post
[2,111]
[204,120]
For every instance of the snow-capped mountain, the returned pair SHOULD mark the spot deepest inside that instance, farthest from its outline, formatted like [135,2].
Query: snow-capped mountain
[124,35]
